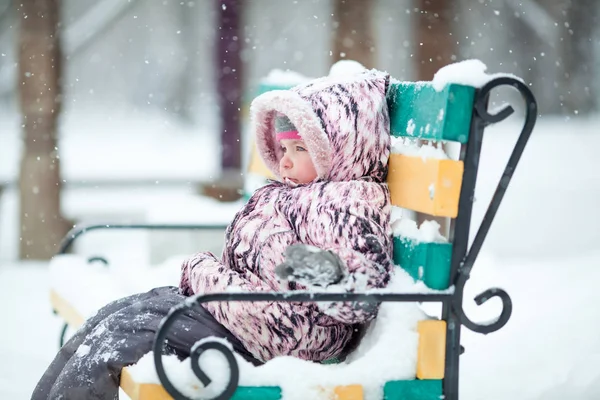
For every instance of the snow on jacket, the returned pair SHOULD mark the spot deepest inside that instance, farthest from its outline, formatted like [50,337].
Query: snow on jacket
[344,123]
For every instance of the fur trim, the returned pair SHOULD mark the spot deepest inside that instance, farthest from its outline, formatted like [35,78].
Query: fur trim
[300,112]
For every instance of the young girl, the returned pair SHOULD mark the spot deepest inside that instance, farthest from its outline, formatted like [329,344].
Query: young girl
[326,221]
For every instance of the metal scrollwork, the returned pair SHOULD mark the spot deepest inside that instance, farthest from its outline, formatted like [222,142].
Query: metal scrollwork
[196,352]
[479,300]
[467,264]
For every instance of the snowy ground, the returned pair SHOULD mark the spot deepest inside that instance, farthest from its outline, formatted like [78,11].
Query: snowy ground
[542,249]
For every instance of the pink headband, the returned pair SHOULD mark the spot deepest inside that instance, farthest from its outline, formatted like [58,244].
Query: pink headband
[288,135]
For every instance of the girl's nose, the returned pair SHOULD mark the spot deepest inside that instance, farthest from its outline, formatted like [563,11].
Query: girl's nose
[286,162]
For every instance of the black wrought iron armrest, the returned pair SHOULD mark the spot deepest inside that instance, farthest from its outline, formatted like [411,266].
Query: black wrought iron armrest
[77,232]
[299,296]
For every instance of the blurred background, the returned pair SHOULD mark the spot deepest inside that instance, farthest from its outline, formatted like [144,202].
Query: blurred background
[118,97]
[124,111]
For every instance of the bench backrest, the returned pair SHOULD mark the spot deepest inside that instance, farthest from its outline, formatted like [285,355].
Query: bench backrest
[427,185]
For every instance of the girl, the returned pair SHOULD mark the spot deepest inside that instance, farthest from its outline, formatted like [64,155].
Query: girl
[326,221]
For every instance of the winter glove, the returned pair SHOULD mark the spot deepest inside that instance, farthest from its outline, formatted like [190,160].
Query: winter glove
[310,266]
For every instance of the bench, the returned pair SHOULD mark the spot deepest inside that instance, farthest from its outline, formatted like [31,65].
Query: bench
[436,186]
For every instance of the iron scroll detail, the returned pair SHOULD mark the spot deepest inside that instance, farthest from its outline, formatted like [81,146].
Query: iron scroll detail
[466,265]
[195,353]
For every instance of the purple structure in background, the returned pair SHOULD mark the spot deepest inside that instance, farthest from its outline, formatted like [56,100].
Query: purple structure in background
[229,83]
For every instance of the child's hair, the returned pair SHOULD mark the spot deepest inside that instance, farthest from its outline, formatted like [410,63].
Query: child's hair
[284,129]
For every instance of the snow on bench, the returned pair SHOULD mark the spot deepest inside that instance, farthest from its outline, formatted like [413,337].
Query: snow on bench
[86,286]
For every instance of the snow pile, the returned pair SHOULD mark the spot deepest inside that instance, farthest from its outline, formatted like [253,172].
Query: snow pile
[181,374]
[399,213]
[346,67]
[98,284]
[289,78]
[387,352]
[468,73]
[411,147]
[428,232]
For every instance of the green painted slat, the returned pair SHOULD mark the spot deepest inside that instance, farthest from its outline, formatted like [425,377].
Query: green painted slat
[413,390]
[427,262]
[257,393]
[417,110]
[267,87]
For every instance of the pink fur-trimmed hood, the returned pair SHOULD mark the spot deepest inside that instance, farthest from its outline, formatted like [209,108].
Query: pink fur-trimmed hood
[343,121]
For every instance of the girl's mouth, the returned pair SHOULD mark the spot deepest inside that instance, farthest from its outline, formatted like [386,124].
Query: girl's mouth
[291,182]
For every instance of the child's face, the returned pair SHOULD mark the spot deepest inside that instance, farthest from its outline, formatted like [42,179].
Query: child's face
[296,166]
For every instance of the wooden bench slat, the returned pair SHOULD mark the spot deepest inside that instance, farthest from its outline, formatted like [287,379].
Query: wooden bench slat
[430,186]
[257,166]
[426,262]
[417,110]
[431,354]
[63,308]
[427,389]
[350,392]
[257,393]
[142,391]
[267,87]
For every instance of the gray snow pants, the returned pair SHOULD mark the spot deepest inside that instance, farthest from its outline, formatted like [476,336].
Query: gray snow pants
[89,365]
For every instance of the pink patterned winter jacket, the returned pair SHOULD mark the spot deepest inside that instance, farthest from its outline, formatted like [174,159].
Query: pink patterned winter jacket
[345,125]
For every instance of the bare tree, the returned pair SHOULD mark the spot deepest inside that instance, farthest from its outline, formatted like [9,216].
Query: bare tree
[179,100]
[556,52]
[353,31]
[434,44]
[579,56]
[229,78]
[228,68]
[42,225]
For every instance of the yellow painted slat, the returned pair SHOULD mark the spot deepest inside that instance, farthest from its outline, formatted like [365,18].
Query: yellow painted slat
[350,392]
[65,309]
[142,391]
[429,185]
[257,166]
[432,349]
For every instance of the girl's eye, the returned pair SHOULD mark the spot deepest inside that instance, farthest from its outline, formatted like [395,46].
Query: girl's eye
[300,148]
[283,149]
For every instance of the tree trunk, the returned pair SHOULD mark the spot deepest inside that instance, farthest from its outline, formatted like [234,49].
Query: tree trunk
[228,69]
[42,225]
[578,57]
[353,32]
[434,48]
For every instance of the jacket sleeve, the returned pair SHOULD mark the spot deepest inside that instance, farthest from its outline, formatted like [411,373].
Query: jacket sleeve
[358,235]
[204,273]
